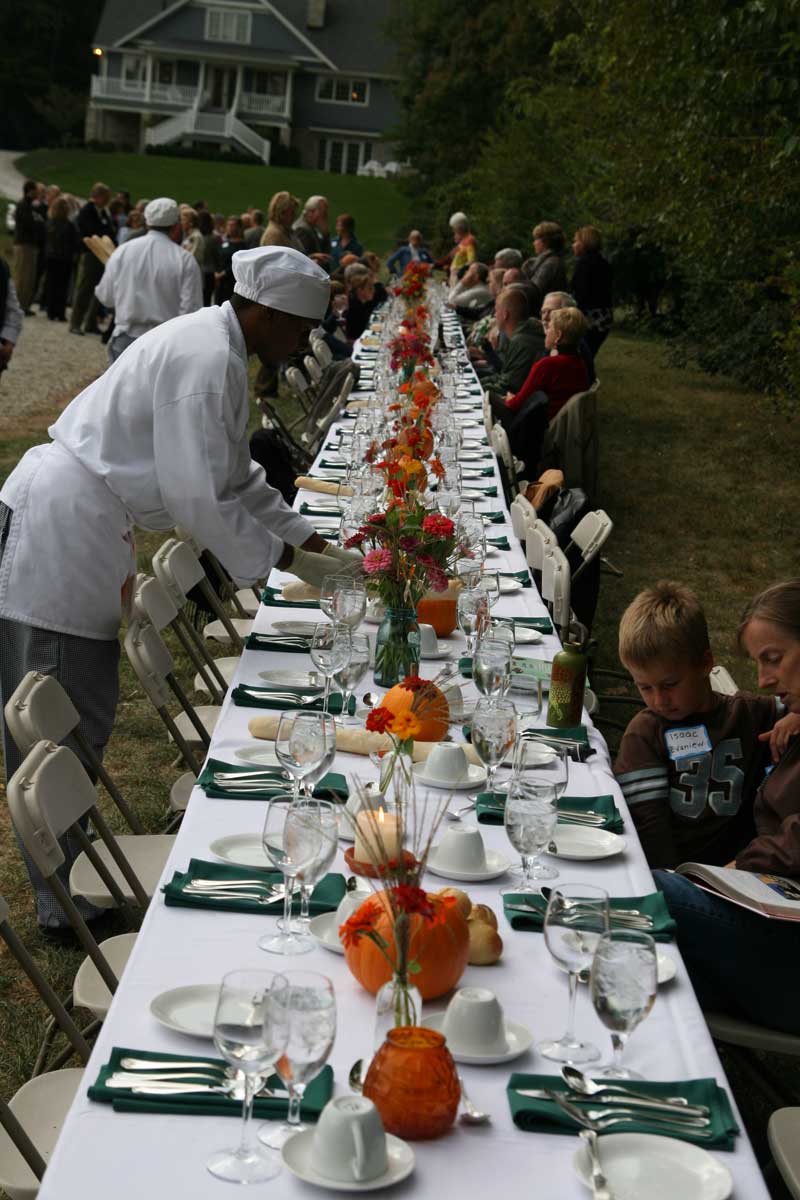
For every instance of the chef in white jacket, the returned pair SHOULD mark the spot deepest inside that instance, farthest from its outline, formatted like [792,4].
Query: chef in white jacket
[150,279]
[159,440]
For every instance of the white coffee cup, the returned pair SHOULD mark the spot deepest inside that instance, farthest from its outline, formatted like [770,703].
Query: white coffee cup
[350,903]
[461,849]
[446,763]
[473,1022]
[428,641]
[349,1142]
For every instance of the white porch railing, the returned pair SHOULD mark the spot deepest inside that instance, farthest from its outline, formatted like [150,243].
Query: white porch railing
[219,126]
[248,138]
[255,103]
[170,130]
[135,91]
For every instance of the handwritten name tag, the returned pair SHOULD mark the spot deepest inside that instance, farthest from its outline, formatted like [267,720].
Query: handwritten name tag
[688,742]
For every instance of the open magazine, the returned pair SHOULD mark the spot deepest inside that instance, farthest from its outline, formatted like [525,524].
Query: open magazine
[769,895]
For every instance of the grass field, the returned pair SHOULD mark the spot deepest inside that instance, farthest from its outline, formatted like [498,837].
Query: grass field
[377,204]
[701,480]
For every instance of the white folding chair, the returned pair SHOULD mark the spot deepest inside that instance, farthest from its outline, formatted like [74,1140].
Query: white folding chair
[523,514]
[30,1123]
[488,416]
[321,351]
[556,588]
[242,609]
[314,372]
[498,440]
[589,536]
[152,602]
[538,540]
[178,568]
[783,1132]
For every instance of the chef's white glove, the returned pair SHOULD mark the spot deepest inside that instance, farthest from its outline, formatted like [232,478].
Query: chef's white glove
[346,559]
[311,567]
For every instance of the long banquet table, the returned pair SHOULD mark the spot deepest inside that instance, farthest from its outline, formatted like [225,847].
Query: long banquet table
[102,1153]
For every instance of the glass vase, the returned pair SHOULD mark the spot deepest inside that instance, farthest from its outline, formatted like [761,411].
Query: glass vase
[397,647]
[397,1002]
[413,1083]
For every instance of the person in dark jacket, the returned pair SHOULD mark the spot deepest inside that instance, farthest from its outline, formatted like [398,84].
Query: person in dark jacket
[591,285]
[364,295]
[28,241]
[62,243]
[546,268]
[94,220]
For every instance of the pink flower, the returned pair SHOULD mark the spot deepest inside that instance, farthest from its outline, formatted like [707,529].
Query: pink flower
[377,560]
[408,542]
[437,579]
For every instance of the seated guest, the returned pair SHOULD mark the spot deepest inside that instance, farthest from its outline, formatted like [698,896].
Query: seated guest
[546,268]
[372,262]
[465,249]
[739,961]
[414,251]
[551,302]
[524,342]
[281,213]
[484,328]
[591,285]
[345,241]
[312,230]
[562,373]
[363,297]
[507,258]
[513,277]
[472,289]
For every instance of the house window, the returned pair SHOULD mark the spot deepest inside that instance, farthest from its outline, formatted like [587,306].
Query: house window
[164,72]
[269,83]
[342,90]
[134,71]
[223,26]
[342,157]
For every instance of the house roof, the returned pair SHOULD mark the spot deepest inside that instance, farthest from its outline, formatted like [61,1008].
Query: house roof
[352,38]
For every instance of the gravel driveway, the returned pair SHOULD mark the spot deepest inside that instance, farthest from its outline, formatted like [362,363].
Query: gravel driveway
[49,366]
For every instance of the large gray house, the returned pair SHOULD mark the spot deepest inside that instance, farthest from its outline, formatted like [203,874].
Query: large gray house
[246,74]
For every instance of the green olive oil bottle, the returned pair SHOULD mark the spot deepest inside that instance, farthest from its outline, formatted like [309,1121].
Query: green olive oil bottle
[567,683]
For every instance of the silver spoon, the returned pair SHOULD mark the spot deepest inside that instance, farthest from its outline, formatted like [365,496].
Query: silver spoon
[471,1115]
[371,700]
[459,812]
[354,1078]
[581,1083]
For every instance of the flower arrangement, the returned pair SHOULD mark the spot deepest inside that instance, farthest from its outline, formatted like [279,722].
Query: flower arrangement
[410,348]
[408,551]
[413,282]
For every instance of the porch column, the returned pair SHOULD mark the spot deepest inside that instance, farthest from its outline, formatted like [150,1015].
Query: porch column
[238,90]
[148,78]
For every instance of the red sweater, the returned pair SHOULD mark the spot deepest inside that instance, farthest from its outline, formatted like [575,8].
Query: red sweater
[559,375]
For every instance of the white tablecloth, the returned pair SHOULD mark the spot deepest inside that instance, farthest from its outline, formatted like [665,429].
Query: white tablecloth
[103,1154]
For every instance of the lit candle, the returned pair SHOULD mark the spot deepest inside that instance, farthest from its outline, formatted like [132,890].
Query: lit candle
[378,836]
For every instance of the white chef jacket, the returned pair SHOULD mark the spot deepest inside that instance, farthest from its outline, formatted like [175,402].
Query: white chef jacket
[159,440]
[150,280]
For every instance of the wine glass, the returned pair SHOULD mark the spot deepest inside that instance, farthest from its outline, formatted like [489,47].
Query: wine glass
[576,917]
[530,818]
[349,602]
[327,724]
[329,814]
[330,651]
[310,1006]
[494,728]
[292,839]
[302,743]
[472,614]
[327,594]
[538,764]
[349,676]
[623,985]
[472,535]
[468,571]
[248,1036]
[502,630]
[491,667]
[490,582]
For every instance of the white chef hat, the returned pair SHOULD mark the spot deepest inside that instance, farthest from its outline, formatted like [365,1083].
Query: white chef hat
[458,218]
[161,213]
[282,278]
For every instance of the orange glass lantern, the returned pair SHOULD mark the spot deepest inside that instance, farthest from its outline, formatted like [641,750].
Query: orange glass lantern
[413,1083]
[440,612]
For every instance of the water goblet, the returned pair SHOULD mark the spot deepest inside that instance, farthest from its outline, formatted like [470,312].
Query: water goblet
[491,667]
[503,631]
[248,1036]
[539,764]
[623,986]
[292,840]
[472,614]
[302,742]
[327,593]
[576,917]
[349,676]
[530,818]
[330,651]
[490,582]
[329,814]
[468,571]
[494,728]
[349,602]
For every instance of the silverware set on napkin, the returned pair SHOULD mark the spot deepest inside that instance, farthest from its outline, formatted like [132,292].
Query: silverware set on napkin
[628,918]
[151,1077]
[237,889]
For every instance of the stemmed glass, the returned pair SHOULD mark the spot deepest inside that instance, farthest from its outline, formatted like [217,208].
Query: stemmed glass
[494,728]
[303,743]
[491,667]
[292,839]
[329,814]
[468,572]
[472,614]
[310,1006]
[537,764]
[576,917]
[250,1033]
[623,984]
[349,602]
[490,582]
[472,535]
[530,818]
[349,677]
[330,651]
[327,594]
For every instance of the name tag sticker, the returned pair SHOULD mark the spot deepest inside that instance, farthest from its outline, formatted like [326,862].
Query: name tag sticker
[688,742]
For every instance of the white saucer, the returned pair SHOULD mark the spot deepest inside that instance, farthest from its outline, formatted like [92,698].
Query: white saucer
[507,586]
[296,1154]
[474,777]
[297,628]
[441,652]
[189,1010]
[660,1168]
[259,755]
[523,635]
[496,864]
[291,681]
[241,849]
[325,930]
[666,967]
[583,842]
[519,1039]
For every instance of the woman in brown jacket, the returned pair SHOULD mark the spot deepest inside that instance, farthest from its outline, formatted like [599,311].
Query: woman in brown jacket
[282,211]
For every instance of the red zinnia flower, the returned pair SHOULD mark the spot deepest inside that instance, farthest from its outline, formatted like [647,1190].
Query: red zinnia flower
[378,719]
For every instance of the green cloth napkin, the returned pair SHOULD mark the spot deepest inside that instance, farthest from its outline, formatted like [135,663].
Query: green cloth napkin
[311,510]
[499,543]
[477,471]
[491,806]
[540,624]
[256,697]
[325,897]
[332,786]
[524,577]
[654,905]
[268,597]
[317,1095]
[331,466]
[256,641]
[532,668]
[495,518]
[484,491]
[544,1116]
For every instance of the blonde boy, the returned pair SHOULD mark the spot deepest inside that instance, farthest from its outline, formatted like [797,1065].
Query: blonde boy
[690,764]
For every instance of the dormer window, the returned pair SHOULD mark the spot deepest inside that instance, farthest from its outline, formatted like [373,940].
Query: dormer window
[342,90]
[224,25]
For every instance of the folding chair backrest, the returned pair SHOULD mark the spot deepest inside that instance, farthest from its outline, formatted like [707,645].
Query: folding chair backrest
[488,418]
[502,447]
[313,370]
[523,514]
[325,423]
[152,602]
[321,351]
[38,709]
[154,668]
[556,587]
[591,532]
[539,539]
[722,682]
[296,380]
[178,568]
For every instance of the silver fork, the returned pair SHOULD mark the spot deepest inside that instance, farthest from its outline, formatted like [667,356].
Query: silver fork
[599,1119]
[131,1063]
[600,1188]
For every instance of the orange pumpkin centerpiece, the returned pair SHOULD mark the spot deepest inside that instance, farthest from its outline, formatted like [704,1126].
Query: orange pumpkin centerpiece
[429,705]
[441,949]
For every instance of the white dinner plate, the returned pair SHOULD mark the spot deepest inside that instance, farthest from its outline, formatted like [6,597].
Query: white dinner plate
[496,864]
[259,755]
[660,1168]
[441,652]
[296,1154]
[518,1037]
[241,849]
[291,681]
[522,635]
[188,1010]
[474,456]
[297,628]
[325,930]
[666,967]
[507,586]
[474,777]
[584,842]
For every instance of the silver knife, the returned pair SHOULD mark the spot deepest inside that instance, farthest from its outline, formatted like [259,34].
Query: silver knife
[688,1110]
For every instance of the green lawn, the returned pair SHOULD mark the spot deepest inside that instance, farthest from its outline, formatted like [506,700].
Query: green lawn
[377,204]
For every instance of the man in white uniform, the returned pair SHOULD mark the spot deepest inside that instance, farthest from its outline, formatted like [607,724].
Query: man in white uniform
[150,279]
[159,440]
